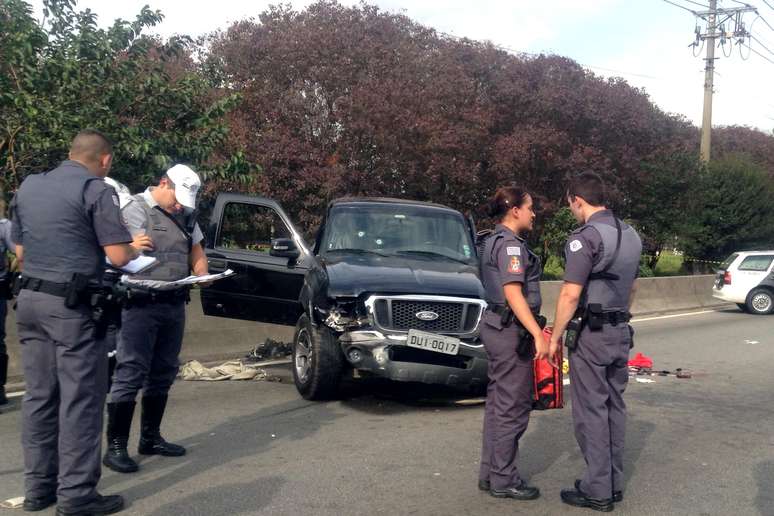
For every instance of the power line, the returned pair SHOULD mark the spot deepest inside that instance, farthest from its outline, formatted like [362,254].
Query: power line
[761,44]
[756,52]
[697,3]
[682,7]
[768,4]
[765,21]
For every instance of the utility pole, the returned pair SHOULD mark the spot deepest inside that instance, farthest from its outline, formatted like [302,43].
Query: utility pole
[723,24]
[709,77]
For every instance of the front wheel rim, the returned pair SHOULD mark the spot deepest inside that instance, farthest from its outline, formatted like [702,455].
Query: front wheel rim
[761,302]
[303,356]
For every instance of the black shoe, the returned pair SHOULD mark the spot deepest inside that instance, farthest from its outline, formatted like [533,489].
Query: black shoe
[151,442]
[522,492]
[97,507]
[39,504]
[617,495]
[576,498]
[484,485]
[119,423]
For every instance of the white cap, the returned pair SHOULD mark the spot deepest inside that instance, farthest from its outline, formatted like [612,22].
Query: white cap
[187,185]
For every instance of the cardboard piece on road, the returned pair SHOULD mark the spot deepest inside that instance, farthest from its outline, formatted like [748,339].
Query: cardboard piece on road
[13,503]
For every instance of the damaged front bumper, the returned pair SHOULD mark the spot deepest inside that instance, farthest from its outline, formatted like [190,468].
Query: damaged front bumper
[385,354]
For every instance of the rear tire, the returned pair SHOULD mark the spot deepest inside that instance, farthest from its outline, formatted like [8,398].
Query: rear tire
[742,307]
[318,364]
[760,302]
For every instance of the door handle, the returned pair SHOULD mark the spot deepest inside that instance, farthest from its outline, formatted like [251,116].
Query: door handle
[217,265]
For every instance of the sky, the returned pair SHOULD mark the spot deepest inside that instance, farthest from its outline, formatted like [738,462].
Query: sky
[644,41]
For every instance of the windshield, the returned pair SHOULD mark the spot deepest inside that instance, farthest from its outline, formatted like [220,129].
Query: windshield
[726,264]
[394,229]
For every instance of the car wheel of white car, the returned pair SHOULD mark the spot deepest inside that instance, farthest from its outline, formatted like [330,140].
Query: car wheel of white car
[760,302]
[318,363]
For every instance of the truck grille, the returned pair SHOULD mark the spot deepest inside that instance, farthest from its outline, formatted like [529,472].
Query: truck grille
[399,314]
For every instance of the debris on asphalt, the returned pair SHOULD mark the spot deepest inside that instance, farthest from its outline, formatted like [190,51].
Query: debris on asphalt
[269,349]
[641,361]
[233,370]
[13,503]
[645,380]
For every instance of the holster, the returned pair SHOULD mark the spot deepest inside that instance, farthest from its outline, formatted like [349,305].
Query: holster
[77,291]
[595,316]
[5,288]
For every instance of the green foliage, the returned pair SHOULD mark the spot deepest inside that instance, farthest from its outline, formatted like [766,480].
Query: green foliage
[553,269]
[68,74]
[645,270]
[659,202]
[555,232]
[731,209]
[669,264]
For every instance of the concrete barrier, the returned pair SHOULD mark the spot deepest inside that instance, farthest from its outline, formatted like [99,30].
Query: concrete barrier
[654,295]
[213,338]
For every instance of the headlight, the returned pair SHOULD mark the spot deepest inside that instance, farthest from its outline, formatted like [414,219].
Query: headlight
[341,318]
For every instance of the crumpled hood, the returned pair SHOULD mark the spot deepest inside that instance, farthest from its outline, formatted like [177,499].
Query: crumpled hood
[353,275]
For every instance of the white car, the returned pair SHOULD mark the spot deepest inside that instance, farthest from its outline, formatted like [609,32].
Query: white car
[747,279]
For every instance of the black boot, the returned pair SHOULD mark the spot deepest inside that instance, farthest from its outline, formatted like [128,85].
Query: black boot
[96,507]
[119,423]
[151,442]
[3,378]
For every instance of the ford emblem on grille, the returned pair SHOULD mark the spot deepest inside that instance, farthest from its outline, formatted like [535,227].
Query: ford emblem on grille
[426,316]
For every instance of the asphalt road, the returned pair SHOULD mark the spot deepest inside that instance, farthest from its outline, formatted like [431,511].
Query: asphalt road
[700,446]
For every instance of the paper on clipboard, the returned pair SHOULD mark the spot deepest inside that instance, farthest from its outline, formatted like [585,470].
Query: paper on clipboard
[137,265]
[172,285]
[193,280]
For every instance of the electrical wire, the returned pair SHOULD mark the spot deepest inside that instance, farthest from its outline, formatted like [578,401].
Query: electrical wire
[682,7]
[761,44]
[756,52]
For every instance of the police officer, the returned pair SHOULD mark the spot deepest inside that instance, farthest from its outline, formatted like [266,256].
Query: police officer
[510,273]
[6,245]
[153,321]
[603,259]
[64,223]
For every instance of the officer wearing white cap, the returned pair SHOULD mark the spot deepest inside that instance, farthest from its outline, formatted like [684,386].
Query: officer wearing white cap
[153,321]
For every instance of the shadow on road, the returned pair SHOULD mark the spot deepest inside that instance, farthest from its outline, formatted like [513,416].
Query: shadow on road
[247,498]
[764,476]
[234,439]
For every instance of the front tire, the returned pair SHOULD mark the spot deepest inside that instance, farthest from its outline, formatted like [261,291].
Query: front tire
[318,364]
[760,302]
[742,307]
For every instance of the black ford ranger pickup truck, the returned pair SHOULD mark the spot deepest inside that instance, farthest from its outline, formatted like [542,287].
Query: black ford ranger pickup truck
[389,288]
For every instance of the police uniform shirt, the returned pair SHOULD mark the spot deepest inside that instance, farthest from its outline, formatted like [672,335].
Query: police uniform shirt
[507,264]
[5,245]
[135,218]
[101,203]
[585,248]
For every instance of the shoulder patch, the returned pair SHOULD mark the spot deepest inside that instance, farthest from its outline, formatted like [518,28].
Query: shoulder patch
[576,246]
[513,251]
[515,266]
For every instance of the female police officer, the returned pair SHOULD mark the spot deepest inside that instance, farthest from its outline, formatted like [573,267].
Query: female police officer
[510,272]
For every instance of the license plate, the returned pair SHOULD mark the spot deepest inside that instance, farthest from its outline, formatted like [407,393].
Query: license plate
[433,342]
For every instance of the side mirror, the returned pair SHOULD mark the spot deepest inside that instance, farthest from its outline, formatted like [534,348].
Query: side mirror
[284,248]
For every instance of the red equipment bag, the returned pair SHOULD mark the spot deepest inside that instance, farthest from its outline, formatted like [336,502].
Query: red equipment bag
[549,380]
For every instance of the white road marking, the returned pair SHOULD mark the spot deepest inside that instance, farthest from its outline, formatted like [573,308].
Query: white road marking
[15,394]
[636,320]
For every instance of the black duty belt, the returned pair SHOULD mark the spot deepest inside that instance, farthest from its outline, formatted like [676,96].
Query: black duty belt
[616,317]
[142,296]
[47,287]
[503,309]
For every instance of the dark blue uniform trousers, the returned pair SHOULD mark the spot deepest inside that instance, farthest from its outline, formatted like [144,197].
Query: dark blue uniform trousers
[65,371]
[508,403]
[598,377]
[148,348]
